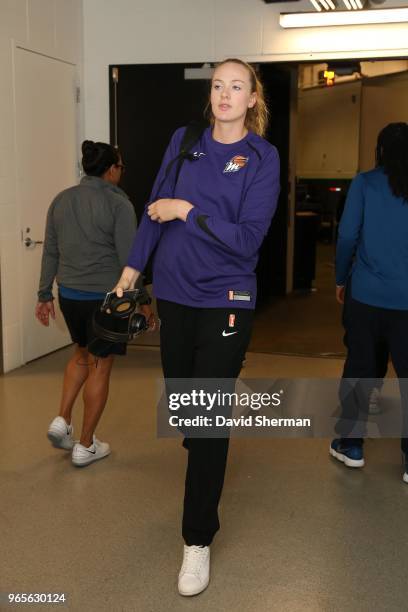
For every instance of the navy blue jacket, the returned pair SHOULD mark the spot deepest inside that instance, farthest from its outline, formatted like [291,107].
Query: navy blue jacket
[373,243]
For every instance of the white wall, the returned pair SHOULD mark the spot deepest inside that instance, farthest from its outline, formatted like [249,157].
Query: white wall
[54,28]
[160,31]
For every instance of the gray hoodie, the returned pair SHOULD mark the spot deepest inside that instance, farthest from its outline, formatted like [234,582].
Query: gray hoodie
[89,232]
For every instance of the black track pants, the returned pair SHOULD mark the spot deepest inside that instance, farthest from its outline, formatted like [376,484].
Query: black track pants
[371,333]
[193,346]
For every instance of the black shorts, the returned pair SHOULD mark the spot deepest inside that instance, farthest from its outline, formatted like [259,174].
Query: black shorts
[78,315]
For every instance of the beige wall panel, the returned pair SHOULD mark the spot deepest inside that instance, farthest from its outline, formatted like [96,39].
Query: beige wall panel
[12,285]
[7,190]
[41,26]
[237,30]
[12,347]
[129,32]
[384,101]
[328,131]
[146,31]
[6,162]
[68,31]
[13,19]
[6,94]
[8,218]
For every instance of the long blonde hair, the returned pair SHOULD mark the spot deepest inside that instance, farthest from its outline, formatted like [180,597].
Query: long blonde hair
[256,119]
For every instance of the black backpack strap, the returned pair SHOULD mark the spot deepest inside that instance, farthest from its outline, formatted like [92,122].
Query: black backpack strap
[191,136]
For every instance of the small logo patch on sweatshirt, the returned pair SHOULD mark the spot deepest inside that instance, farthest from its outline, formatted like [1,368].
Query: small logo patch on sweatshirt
[239,296]
[235,164]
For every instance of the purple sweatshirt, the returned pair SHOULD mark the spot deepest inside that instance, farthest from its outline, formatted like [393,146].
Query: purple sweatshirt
[209,260]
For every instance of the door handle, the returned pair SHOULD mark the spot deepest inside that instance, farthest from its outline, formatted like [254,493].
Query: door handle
[29,243]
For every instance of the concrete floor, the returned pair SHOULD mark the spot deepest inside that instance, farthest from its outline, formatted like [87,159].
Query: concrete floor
[300,532]
[303,323]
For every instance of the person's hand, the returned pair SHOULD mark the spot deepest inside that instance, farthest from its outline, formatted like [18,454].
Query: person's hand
[126,281]
[169,209]
[43,310]
[147,311]
[340,295]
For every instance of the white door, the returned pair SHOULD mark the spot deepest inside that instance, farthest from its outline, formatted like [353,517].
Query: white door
[46,164]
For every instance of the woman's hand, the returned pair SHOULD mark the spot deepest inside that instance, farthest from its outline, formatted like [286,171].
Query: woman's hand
[126,281]
[340,294]
[169,209]
[43,311]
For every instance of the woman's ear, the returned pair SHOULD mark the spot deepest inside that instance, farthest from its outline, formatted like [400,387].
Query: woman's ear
[252,100]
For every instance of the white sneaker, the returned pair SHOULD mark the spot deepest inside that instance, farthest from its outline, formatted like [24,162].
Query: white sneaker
[194,575]
[374,401]
[84,456]
[60,434]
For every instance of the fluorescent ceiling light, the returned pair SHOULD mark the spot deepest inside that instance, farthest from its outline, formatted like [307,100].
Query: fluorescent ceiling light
[325,5]
[338,18]
[316,5]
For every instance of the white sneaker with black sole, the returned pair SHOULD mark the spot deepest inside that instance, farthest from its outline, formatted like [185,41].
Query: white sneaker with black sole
[194,575]
[60,434]
[81,455]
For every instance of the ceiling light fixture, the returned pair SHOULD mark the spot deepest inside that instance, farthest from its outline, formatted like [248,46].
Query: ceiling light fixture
[316,5]
[339,18]
[327,5]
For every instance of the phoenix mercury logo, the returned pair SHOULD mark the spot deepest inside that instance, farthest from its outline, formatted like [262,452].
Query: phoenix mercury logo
[235,164]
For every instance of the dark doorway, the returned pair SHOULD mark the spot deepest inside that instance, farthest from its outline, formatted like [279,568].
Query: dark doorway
[271,270]
[153,100]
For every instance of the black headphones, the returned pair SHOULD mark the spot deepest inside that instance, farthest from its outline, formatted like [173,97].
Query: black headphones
[117,319]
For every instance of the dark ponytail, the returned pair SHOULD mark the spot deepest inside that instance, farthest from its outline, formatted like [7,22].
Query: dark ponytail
[392,156]
[98,157]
